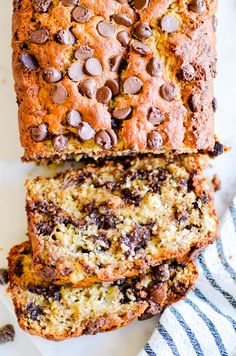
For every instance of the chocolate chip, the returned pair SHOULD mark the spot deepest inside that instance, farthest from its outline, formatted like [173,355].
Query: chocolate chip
[39,36]
[152,309]
[195,103]
[76,72]
[161,273]
[106,29]
[123,19]
[69,2]
[140,4]
[34,311]
[115,62]
[83,53]
[3,276]
[39,133]
[214,104]
[154,140]
[104,95]
[198,6]
[169,24]
[130,197]
[142,31]
[122,1]
[85,131]
[50,292]
[51,75]
[65,37]
[132,85]
[73,118]
[217,151]
[187,72]
[154,67]
[106,139]
[16,4]
[93,67]
[140,48]
[81,14]
[168,92]
[60,142]
[28,61]
[18,269]
[124,38]
[59,94]
[89,87]
[7,333]
[122,114]
[113,84]
[41,5]
[155,116]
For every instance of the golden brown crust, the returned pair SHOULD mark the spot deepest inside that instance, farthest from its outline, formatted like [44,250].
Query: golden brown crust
[186,123]
[42,310]
[84,229]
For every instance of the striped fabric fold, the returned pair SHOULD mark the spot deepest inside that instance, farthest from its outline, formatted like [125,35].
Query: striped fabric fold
[204,323]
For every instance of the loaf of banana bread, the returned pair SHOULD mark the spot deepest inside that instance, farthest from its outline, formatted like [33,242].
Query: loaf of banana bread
[104,77]
[112,219]
[60,312]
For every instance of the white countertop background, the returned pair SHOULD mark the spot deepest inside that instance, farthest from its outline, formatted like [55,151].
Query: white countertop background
[129,340]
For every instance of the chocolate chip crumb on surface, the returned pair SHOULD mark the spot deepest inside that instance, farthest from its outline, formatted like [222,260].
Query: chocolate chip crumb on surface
[114,218]
[7,333]
[135,54]
[58,313]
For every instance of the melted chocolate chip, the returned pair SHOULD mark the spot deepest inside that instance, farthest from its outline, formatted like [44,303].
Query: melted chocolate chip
[51,75]
[104,95]
[161,273]
[60,142]
[3,276]
[39,133]
[65,37]
[18,269]
[142,31]
[89,88]
[39,36]
[123,19]
[187,73]
[124,38]
[122,114]
[93,67]
[140,4]
[113,84]
[7,333]
[76,72]
[106,139]
[44,228]
[155,116]
[130,197]
[136,239]
[154,140]
[81,14]
[83,53]
[154,67]
[50,292]
[115,62]
[59,94]
[34,311]
[41,5]
[198,6]
[168,92]
[85,131]
[29,61]
[140,48]
[169,24]
[106,29]
[132,85]
[73,118]
[195,103]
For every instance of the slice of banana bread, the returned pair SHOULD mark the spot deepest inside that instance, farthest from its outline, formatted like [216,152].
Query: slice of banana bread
[111,220]
[60,312]
[110,77]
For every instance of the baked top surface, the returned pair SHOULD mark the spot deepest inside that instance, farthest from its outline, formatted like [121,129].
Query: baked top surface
[136,79]
[61,312]
[111,220]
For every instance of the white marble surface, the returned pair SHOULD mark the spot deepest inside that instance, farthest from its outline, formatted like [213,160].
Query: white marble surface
[129,340]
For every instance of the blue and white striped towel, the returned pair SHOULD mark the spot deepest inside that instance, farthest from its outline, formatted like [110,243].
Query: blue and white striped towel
[204,323]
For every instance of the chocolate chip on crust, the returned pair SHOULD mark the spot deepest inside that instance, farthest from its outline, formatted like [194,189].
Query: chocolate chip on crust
[104,95]
[154,67]
[142,31]
[3,276]
[113,84]
[195,102]
[93,67]
[83,53]
[60,142]
[41,5]
[81,14]
[51,75]
[89,88]
[73,118]
[39,133]
[106,29]
[123,37]
[65,37]
[155,116]
[39,36]
[123,19]
[122,114]
[106,139]
[140,4]
[85,131]
[140,48]
[76,72]
[70,2]
[7,333]
[169,24]
[59,94]
[168,92]
[154,140]
[132,85]
[198,6]
[187,72]
[29,61]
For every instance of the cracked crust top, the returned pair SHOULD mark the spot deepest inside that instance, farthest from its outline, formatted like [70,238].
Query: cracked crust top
[105,77]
